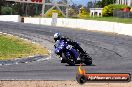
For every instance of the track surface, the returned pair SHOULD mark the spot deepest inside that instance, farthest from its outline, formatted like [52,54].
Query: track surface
[111,53]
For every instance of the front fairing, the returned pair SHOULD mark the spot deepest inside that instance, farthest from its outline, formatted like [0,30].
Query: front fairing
[72,52]
[59,46]
[75,53]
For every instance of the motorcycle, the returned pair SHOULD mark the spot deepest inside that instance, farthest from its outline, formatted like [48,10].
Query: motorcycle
[69,54]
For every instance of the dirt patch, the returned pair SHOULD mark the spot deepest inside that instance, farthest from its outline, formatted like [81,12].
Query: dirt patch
[59,84]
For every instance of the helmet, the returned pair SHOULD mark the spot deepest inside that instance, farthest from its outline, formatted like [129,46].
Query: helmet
[57,36]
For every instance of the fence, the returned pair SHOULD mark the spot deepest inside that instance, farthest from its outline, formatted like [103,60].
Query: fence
[121,14]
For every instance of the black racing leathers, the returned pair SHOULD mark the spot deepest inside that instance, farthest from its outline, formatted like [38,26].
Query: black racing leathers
[73,43]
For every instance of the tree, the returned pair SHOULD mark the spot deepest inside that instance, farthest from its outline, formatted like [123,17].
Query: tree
[108,10]
[83,13]
[90,4]
[105,3]
[6,11]
[72,13]
[49,14]
[2,2]
[75,7]
[99,4]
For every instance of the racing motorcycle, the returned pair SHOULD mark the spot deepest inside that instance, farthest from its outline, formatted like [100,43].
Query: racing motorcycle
[70,55]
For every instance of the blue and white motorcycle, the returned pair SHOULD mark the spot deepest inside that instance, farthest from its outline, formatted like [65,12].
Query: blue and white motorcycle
[69,54]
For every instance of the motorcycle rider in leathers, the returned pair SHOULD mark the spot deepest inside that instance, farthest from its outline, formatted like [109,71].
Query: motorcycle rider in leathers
[58,36]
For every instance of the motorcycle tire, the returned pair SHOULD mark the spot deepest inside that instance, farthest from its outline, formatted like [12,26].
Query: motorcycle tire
[70,61]
[88,62]
[63,60]
[86,59]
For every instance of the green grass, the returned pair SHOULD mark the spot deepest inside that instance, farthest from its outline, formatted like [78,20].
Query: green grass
[111,19]
[12,47]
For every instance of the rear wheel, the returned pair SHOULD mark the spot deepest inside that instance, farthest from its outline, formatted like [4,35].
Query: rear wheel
[63,60]
[70,59]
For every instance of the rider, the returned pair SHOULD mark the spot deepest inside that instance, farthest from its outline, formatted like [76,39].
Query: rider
[58,36]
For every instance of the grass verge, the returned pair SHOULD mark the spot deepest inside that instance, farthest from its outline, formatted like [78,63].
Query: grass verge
[111,19]
[13,47]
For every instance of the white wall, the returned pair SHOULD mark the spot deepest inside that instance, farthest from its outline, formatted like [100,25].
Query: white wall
[14,18]
[104,26]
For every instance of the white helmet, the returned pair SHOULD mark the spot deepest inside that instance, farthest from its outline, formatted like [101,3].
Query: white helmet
[57,36]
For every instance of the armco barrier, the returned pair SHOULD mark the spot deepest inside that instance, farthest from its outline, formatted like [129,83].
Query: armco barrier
[13,18]
[104,26]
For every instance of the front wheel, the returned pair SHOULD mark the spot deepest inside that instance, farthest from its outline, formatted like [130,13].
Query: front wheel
[70,59]
[86,59]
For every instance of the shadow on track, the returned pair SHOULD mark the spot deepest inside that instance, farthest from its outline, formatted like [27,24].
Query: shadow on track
[82,65]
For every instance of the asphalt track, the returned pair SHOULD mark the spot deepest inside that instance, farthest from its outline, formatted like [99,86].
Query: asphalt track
[111,53]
